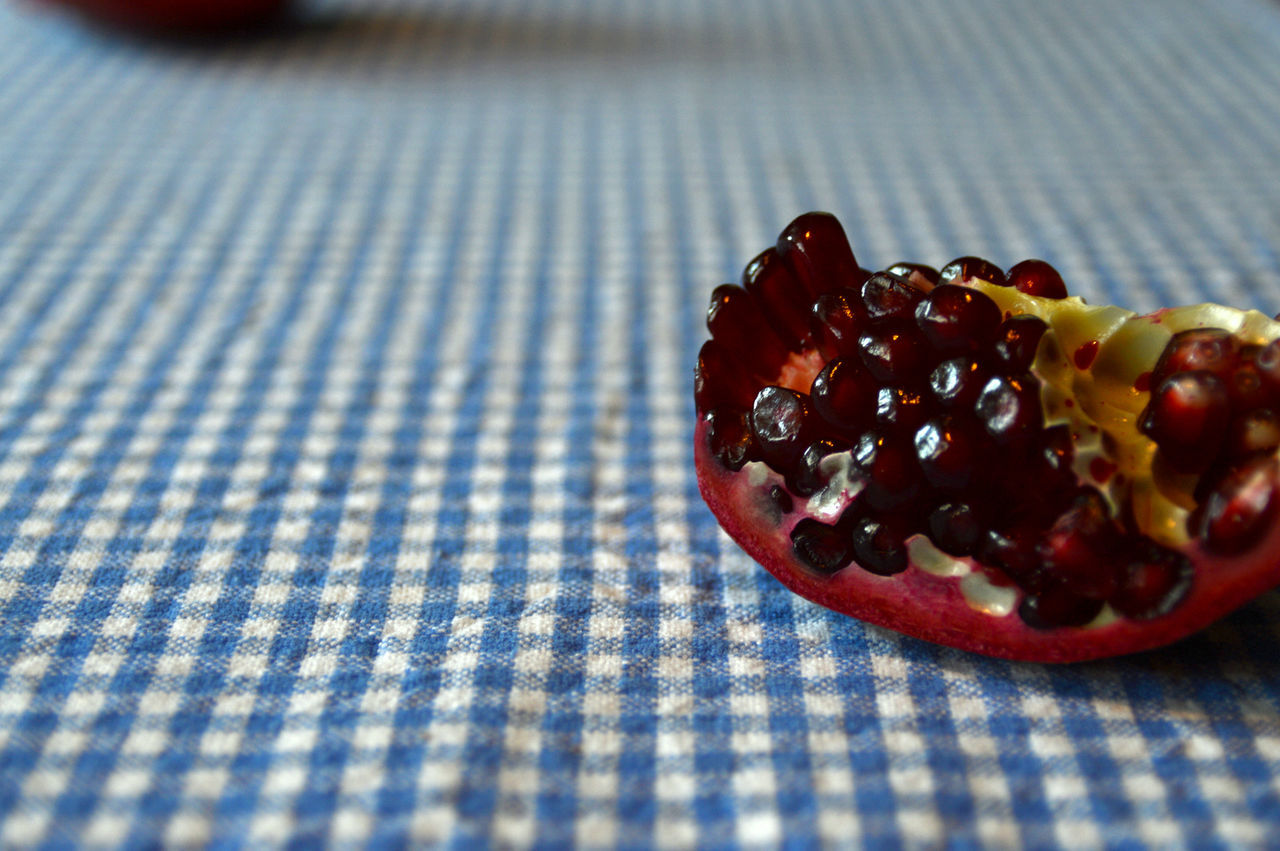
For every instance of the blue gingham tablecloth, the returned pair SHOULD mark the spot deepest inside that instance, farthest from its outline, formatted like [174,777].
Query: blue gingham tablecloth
[346,492]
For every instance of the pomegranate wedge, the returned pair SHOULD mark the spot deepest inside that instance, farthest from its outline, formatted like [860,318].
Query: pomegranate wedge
[974,457]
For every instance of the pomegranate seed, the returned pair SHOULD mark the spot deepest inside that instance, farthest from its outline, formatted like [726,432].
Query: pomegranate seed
[1038,278]
[784,301]
[946,452]
[923,278]
[1187,418]
[1154,581]
[1252,432]
[1058,607]
[887,296]
[781,499]
[957,382]
[1239,510]
[736,323]
[965,269]
[838,319]
[1011,550]
[1009,408]
[780,422]
[1245,386]
[844,394]
[889,467]
[729,438]
[1016,343]
[1080,546]
[1267,360]
[894,353]
[720,380]
[955,528]
[816,250]
[805,477]
[878,547]
[904,410]
[957,320]
[823,548]
[1198,349]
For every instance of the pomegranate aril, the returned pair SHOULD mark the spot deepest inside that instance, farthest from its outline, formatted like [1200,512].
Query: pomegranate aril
[1267,360]
[784,301]
[886,296]
[1239,509]
[720,380]
[1009,408]
[1016,343]
[1154,581]
[1011,550]
[1038,278]
[956,320]
[956,383]
[781,499]
[780,423]
[729,437]
[1198,349]
[805,477]
[878,547]
[844,394]
[823,548]
[901,409]
[1058,607]
[947,452]
[735,322]
[816,250]
[1187,418]
[1252,432]
[837,320]
[1080,548]
[1246,387]
[955,528]
[888,465]
[894,353]
[922,277]
[965,269]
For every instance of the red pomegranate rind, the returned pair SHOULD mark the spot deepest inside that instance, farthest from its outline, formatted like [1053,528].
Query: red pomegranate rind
[912,602]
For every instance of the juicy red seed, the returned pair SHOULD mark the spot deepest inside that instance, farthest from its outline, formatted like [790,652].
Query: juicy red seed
[1154,581]
[965,269]
[902,409]
[878,547]
[720,380]
[780,423]
[805,477]
[1187,418]
[887,296]
[823,548]
[1016,343]
[781,499]
[889,466]
[1038,278]
[729,437]
[947,452]
[837,320]
[957,319]
[783,300]
[1239,510]
[1081,546]
[1012,550]
[817,252]
[1252,432]
[957,382]
[1247,388]
[923,278]
[894,354]
[736,323]
[1267,360]
[844,394]
[1198,349]
[955,528]
[1058,607]
[1009,408]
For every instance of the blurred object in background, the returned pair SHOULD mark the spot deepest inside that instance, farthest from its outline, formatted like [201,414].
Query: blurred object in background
[190,16]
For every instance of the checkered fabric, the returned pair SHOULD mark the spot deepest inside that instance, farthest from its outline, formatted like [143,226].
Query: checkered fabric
[346,489]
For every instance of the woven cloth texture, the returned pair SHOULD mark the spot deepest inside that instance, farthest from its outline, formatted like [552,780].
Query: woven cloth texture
[346,490]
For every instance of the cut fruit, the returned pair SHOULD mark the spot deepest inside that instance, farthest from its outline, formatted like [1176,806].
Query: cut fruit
[975,458]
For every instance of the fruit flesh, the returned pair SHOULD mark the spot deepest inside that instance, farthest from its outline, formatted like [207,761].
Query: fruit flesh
[1018,594]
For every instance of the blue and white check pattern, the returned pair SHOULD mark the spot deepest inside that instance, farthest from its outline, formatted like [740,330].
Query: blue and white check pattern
[346,492]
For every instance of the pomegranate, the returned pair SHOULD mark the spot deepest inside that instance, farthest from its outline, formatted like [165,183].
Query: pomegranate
[974,457]
[192,16]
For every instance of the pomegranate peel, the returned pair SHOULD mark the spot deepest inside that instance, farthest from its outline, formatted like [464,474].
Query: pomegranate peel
[1045,515]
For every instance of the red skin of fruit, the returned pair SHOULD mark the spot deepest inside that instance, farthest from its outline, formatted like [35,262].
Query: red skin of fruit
[172,15]
[932,608]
